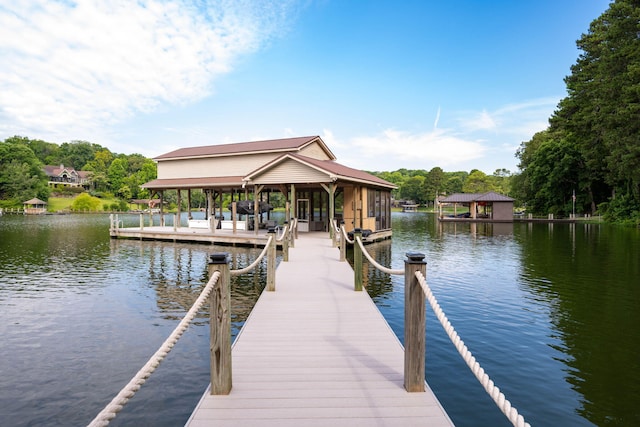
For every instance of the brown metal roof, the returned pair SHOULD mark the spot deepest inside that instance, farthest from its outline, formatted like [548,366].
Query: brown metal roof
[491,196]
[271,145]
[328,166]
[346,172]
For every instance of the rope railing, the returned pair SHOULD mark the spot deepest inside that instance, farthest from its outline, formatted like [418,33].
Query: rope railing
[345,236]
[284,233]
[373,261]
[118,402]
[255,263]
[498,397]
[492,390]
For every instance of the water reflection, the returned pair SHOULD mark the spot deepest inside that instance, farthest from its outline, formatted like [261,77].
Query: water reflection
[590,281]
[177,273]
[548,310]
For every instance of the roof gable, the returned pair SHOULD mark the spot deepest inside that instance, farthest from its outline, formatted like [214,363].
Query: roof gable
[329,169]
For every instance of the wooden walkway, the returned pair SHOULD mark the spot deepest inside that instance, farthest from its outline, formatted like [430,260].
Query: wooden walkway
[317,353]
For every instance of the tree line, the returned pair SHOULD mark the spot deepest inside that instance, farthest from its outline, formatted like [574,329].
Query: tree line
[22,175]
[423,187]
[592,145]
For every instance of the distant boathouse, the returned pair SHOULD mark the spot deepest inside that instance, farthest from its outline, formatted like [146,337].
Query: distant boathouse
[489,206]
[303,169]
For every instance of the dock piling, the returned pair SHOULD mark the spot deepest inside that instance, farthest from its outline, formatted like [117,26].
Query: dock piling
[220,324]
[414,323]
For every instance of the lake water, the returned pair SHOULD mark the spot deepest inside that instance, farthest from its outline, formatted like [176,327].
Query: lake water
[551,312]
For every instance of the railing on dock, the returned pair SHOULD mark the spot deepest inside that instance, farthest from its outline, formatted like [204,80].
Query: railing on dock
[217,290]
[416,290]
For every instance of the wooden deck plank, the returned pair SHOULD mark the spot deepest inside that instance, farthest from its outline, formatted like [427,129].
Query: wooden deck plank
[317,353]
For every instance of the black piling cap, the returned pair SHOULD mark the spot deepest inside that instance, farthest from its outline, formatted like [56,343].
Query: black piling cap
[415,256]
[219,258]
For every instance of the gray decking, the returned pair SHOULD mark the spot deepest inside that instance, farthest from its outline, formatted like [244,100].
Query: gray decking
[317,353]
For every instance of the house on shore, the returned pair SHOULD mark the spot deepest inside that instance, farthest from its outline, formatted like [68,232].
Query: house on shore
[316,188]
[67,176]
[489,206]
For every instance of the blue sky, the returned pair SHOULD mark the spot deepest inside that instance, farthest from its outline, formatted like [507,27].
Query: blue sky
[386,84]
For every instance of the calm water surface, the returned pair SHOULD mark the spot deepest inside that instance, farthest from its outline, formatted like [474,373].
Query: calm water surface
[550,311]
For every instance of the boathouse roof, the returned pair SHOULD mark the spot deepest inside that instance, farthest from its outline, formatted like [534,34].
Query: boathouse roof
[490,196]
[34,201]
[331,168]
[290,160]
[253,147]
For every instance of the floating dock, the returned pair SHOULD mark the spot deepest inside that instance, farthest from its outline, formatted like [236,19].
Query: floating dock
[317,353]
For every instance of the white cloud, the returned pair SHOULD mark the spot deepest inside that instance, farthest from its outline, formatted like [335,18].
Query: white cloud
[486,140]
[91,63]
[480,121]
[521,119]
[440,147]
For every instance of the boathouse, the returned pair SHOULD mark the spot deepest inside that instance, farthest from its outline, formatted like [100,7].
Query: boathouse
[304,170]
[35,206]
[489,206]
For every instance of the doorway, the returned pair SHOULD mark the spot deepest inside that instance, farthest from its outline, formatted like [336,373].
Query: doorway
[303,215]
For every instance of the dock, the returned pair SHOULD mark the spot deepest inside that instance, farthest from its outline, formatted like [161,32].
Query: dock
[191,235]
[317,353]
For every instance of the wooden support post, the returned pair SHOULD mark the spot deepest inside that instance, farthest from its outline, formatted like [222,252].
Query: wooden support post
[162,208]
[285,244]
[357,260]
[293,206]
[141,222]
[176,220]
[293,234]
[179,210]
[220,324]
[234,215]
[271,261]
[287,212]
[343,243]
[414,323]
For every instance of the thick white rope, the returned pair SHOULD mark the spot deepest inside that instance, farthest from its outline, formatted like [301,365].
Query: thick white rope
[346,237]
[334,224]
[284,233]
[373,261]
[118,402]
[498,397]
[254,263]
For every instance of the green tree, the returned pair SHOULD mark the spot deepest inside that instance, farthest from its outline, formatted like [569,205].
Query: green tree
[99,167]
[477,182]
[501,180]
[77,154]
[21,174]
[116,174]
[413,189]
[84,202]
[434,183]
[601,113]
[454,182]
[554,170]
